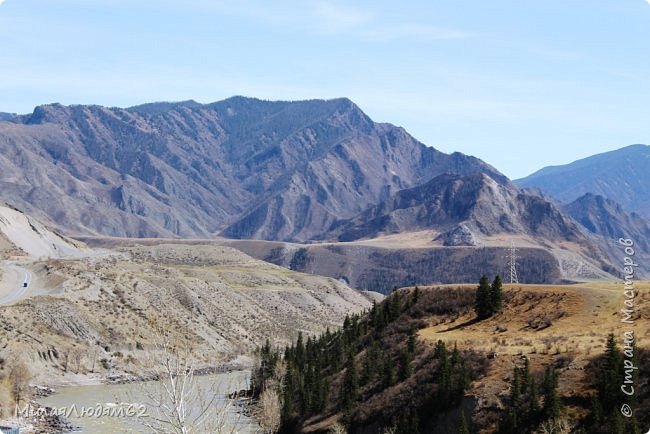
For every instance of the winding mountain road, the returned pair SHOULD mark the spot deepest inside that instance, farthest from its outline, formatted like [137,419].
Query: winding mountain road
[15,284]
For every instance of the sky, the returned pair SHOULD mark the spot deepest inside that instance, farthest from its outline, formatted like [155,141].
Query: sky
[521,84]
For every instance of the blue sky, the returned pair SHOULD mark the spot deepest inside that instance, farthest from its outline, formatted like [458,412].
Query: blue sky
[520,84]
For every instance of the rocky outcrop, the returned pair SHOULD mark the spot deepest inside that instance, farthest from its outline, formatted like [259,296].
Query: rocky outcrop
[462,208]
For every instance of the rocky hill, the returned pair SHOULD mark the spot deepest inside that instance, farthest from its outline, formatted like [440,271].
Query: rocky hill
[246,167]
[463,209]
[606,221]
[607,218]
[94,317]
[21,235]
[620,175]
[473,210]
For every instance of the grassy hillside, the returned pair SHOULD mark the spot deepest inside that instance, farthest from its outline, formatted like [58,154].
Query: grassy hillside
[421,361]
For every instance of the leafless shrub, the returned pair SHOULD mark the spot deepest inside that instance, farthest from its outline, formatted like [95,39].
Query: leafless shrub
[176,402]
[19,376]
[555,426]
[337,428]
[269,411]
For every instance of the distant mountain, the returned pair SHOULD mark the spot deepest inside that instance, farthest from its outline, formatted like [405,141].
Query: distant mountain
[620,175]
[243,167]
[463,208]
[607,219]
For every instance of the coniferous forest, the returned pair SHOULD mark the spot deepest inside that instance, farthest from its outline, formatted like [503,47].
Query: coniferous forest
[375,375]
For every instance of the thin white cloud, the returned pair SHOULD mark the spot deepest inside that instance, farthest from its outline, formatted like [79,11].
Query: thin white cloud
[1,1]
[335,17]
[412,30]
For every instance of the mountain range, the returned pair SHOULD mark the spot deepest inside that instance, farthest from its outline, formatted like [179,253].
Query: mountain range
[620,175]
[299,171]
[243,167]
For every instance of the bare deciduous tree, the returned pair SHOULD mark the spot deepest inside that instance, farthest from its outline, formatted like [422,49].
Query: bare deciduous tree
[555,426]
[19,376]
[337,428]
[177,402]
[269,411]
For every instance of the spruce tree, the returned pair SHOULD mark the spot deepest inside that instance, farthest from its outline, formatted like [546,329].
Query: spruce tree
[496,295]
[412,340]
[552,404]
[405,366]
[482,303]
[455,355]
[300,352]
[387,374]
[288,394]
[416,295]
[350,390]
[533,408]
[394,306]
[611,376]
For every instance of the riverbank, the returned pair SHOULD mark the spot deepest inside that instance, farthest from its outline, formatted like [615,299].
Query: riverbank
[52,408]
[130,407]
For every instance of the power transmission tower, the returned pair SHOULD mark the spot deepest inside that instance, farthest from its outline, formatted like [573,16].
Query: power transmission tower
[511,256]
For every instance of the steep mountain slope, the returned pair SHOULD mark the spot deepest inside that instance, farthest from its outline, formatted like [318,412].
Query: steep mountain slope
[21,235]
[620,175]
[254,169]
[606,221]
[607,218]
[462,208]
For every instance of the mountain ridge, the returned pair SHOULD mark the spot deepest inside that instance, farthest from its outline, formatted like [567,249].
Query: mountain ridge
[250,168]
[618,175]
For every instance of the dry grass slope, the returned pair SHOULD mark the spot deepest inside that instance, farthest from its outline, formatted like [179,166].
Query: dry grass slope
[95,318]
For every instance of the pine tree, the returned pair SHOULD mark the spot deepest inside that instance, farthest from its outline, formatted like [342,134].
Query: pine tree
[387,374]
[533,408]
[405,366]
[455,355]
[611,377]
[366,372]
[515,389]
[300,352]
[350,390]
[496,295]
[525,376]
[440,351]
[288,394]
[444,374]
[416,295]
[552,404]
[394,306]
[482,303]
[412,340]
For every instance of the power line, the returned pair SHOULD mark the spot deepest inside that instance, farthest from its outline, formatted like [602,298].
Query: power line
[511,256]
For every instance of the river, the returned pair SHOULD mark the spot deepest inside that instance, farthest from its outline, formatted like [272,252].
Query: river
[224,415]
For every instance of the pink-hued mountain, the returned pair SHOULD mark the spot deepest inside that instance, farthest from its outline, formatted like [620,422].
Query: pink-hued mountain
[241,167]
